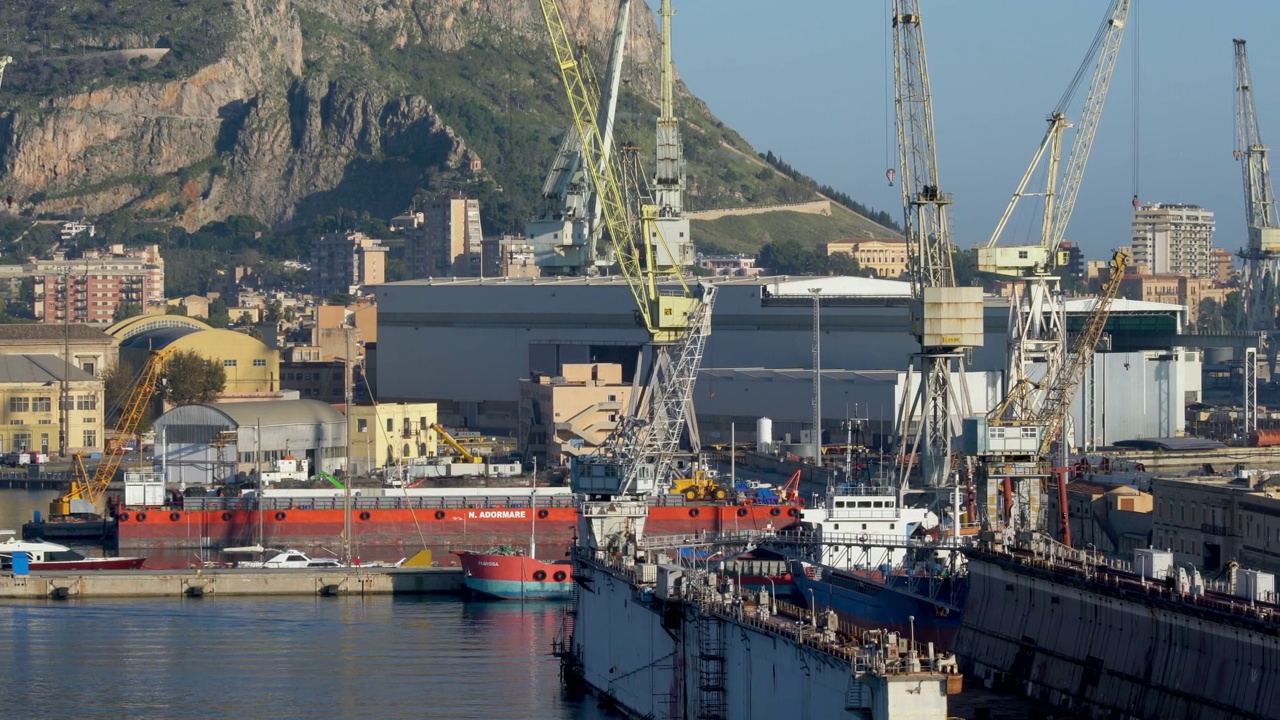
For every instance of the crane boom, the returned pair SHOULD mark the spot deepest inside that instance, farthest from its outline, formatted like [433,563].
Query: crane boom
[87,494]
[927,231]
[457,446]
[1062,387]
[566,233]
[1262,251]
[1060,193]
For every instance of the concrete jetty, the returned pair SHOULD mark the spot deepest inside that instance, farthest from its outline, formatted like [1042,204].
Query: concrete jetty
[238,582]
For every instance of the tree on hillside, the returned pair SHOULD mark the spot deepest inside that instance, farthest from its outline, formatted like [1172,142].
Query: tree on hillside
[189,379]
[789,257]
[842,263]
[219,316]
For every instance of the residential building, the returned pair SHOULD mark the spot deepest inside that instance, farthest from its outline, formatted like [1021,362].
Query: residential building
[1223,264]
[1210,521]
[1113,519]
[390,434]
[1075,260]
[344,262]
[73,228]
[92,288]
[731,265]
[447,242]
[86,348]
[30,386]
[570,414]
[1173,238]
[509,256]
[888,258]
[1175,289]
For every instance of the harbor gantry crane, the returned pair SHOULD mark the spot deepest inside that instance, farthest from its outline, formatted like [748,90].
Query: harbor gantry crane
[1037,320]
[566,234]
[87,495]
[1261,296]
[638,456]
[947,320]
[1012,444]
[669,180]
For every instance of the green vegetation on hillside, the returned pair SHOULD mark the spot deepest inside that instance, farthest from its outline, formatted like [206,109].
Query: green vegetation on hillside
[46,36]
[748,233]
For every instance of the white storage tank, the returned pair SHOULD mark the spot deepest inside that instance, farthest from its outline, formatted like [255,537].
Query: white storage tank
[1153,564]
[764,435]
[1256,585]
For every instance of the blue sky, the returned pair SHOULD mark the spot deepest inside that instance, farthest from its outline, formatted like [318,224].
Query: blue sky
[808,81]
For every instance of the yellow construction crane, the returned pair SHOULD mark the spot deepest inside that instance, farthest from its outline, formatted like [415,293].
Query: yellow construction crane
[639,455]
[462,451]
[87,494]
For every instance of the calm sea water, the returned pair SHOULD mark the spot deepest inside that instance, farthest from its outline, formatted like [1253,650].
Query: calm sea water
[282,658]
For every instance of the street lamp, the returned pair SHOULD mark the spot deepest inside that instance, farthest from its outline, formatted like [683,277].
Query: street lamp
[912,619]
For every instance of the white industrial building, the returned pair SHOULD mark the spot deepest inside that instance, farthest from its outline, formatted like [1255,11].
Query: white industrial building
[210,443]
[465,343]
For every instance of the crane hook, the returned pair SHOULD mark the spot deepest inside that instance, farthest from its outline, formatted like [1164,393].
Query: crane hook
[891,174]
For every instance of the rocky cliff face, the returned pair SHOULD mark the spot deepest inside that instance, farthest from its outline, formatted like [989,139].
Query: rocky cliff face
[275,128]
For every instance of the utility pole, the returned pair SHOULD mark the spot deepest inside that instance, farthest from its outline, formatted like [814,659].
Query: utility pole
[346,486]
[817,374]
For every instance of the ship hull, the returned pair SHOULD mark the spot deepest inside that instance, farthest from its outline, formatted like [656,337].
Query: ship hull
[441,529]
[868,599]
[515,577]
[125,563]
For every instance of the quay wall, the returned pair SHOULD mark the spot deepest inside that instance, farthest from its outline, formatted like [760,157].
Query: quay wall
[1111,652]
[205,583]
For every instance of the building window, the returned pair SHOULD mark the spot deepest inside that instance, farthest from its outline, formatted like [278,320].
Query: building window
[19,404]
[259,362]
[90,438]
[88,367]
[86,402]
[228,363]
[41,404]
[362,425]
[391,425]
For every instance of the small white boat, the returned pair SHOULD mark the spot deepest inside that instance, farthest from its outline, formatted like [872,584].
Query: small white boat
[44,555]
[290,559]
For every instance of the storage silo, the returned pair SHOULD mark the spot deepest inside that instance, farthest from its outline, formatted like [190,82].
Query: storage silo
[764,435]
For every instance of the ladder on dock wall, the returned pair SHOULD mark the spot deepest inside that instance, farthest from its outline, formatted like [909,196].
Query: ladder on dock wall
[562,644]
[711,669]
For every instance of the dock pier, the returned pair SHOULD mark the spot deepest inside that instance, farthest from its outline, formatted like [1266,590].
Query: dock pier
[363,581]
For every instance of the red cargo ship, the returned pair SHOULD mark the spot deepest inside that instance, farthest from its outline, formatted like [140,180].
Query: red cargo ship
[439,523]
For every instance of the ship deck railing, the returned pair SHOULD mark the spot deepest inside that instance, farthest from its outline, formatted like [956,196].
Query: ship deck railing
[338,502]
[793,538]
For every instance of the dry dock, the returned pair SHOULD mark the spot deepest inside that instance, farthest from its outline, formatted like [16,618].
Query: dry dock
[213,583]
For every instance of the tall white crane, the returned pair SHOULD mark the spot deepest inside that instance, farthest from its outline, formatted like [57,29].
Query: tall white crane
[1037,332]
[638,456]
[943,316]
[566,234]
[669,180]
[1261,295]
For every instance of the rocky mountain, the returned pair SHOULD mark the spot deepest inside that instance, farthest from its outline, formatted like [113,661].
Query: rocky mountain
[289,109]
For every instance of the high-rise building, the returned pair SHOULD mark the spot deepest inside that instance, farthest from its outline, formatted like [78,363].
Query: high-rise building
[343,262]
[91,288]
[447,242]
[1172,238]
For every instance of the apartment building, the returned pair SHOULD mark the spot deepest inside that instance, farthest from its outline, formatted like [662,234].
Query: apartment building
[447,241]
[29,405]
[1173,238]
[729,265]
[509,256]
[344,262]
[570,414]
[92,288]
[1211,521]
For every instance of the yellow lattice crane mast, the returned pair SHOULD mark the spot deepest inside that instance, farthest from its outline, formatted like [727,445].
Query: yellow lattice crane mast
[639,454]
[87,494]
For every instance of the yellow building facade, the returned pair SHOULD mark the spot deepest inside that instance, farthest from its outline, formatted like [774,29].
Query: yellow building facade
[252,368]
[888,258]
[390,434]
[30,386]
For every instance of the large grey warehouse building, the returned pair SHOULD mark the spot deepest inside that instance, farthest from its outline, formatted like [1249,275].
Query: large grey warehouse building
[465,343]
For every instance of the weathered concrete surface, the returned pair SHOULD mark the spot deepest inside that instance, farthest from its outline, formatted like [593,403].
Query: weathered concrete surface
[1106,651]
[212,583]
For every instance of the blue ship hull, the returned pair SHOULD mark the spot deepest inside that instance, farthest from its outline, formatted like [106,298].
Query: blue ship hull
[512,590]
[929,607]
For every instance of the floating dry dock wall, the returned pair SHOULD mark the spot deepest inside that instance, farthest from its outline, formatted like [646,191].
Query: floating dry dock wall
[659,643]
[1109,645]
